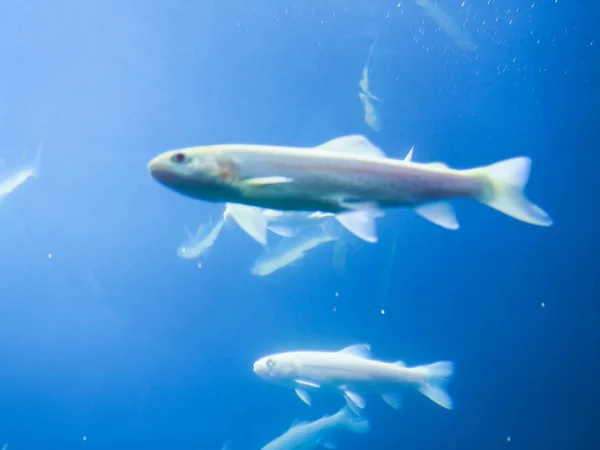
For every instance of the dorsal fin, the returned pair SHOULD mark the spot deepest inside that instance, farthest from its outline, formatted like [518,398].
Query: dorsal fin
[358,350]
[355,143]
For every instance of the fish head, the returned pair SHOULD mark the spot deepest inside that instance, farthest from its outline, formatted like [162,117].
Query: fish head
[200,172]
[276,368]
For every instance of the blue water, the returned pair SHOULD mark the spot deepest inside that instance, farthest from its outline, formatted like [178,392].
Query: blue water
[106,334]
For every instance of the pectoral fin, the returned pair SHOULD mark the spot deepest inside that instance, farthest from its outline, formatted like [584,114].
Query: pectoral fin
[304,396]
[355,402]
[308,383]
[360,224]
[250,220]
[263,181]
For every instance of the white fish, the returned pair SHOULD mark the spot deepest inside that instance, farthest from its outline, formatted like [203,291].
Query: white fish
[201,242]
[353,372]
[289,250]
[11,182]
[450,26]
[257,221]
[308,435]
[347,174]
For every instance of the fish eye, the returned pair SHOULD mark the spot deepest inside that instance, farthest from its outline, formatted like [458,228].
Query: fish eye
[270,363]
[180,158]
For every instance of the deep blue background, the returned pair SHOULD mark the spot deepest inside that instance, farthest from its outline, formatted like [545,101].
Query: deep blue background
[116,339]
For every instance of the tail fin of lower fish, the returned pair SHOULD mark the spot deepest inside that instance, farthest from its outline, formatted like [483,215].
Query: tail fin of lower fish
[437,376]
[507,180]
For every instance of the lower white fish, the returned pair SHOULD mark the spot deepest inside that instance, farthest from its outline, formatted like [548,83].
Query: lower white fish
[308,435]
[353,372]
[11,182]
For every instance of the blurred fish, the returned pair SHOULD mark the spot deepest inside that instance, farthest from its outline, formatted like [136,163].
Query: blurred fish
[289,250]
[371,115]
[340,257]
[449,25]
[11,182]
[201,242]
[348,175]
[353,372]
[307,435]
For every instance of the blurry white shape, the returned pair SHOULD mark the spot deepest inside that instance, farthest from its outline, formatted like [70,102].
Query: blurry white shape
[450,26]
[201,242]
[11,182]
[289,250]
[371,116]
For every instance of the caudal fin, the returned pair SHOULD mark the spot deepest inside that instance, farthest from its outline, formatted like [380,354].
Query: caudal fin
[352,422]
[507,180]
[437,376]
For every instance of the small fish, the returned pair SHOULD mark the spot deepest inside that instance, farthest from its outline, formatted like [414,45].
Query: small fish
[371,114]
[364,81]
[449,25]
[366,97]
[352,372]
[11,182]
[289,250]
[307,435]
[347,174]
[201,242]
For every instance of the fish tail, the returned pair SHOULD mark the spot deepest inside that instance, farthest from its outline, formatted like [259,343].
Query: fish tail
[436,377]
[506,182]
[352,422]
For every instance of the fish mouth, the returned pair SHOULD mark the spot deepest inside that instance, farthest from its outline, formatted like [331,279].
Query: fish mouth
[161,172]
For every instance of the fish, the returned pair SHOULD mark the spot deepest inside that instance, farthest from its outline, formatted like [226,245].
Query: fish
[11,182]
[449,25]
[290,250]
[303,435]
[200,243]
[354,373]
[348,174]
[371,115]
[257,221]
[364,81]
[366,97]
